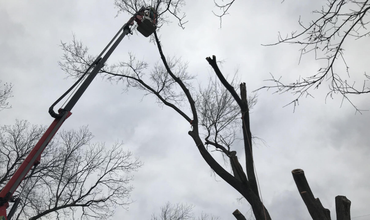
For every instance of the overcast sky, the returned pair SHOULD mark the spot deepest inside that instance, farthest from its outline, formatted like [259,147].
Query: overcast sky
[328,141]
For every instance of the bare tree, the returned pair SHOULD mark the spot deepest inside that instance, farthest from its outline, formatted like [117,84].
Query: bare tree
[5,94]
[180,212]
[338,21]
[214,113]
[16,142]
[74,178]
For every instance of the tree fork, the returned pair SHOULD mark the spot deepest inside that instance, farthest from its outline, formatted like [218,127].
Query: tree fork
[249,189]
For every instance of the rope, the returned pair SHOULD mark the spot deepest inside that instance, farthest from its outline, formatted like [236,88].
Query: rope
[254,167]
[51,111]
[79,82]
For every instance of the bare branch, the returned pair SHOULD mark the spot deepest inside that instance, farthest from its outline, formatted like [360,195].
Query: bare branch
[338,22]
[5,94]
[224,8]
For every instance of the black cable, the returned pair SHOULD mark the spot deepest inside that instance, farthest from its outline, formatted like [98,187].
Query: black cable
[125,28]
[51,108]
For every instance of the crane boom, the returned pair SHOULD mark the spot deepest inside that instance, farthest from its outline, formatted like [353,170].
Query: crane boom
[34,156]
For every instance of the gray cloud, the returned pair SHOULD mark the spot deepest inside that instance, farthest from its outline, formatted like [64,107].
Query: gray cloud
[330,143]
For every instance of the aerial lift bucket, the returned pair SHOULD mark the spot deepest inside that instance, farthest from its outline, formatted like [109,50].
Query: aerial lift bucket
[146,19]
[146,27]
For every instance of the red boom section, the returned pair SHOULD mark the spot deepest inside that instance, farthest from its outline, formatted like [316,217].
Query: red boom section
[32,159]
[147,21]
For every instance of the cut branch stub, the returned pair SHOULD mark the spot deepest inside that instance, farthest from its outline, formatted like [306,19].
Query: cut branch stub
[302,183]
[314,206]
[247,137]
[343,206]
[238,215]
[243,91]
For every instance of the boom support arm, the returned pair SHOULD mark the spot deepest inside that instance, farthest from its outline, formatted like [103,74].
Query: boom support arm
[95,67]
[34,156]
